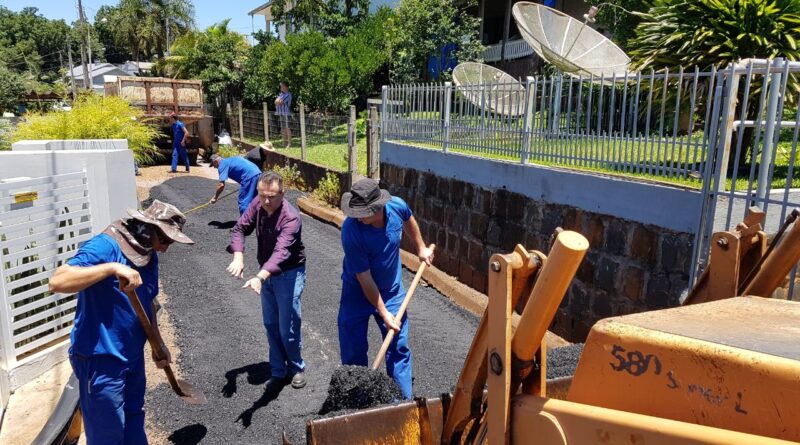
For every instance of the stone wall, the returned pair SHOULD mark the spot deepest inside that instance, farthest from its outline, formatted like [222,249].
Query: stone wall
[631,266]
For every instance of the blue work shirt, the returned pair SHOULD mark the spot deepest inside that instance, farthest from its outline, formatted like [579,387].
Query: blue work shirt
[376,249]
[105,322]
[285,108]
[177,133]
[237,168]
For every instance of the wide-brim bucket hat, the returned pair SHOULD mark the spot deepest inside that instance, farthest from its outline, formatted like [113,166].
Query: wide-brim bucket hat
[364,199]
[166,217]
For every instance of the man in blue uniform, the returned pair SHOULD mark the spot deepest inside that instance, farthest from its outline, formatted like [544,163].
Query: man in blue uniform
[107,351]
[372,279]
[240,170]
[180,135]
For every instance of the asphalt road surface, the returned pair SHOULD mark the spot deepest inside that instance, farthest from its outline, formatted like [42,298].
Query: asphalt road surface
[223,344]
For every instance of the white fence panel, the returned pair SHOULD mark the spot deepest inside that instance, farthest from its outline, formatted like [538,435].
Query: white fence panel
[43,221]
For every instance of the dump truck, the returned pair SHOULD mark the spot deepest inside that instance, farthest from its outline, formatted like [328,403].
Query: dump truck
[722,368]
[158,98]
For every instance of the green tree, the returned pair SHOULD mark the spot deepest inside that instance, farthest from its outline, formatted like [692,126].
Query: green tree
[216,56]
[12,88]
[619,18]
[333,18]
[325,73]
[104,25]
[140,26]
[423,28]
[31,43]
[708,33]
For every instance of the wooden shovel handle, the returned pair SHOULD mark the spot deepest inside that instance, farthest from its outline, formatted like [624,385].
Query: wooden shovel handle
[153,337]
[399,317]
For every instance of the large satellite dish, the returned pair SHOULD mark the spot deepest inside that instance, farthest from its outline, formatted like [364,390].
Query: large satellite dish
[494,90]
[570,45]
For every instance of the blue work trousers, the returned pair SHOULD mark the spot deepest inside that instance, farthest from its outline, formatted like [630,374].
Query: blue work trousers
[354,314]
[111,399]
[280,307]
[248,190]
[179,151]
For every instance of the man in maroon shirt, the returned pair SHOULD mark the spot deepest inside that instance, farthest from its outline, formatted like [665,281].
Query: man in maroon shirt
[281,278]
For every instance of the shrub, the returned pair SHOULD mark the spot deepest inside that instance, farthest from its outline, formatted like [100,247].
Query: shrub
[291,176]
[5,130]
[715,32]
[329,190]
[228,151]
[93,117]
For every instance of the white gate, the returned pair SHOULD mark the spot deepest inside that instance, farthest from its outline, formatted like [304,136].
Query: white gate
[42,222]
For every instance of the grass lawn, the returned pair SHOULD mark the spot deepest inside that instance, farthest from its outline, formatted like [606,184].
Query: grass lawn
[558,152]
[328,153]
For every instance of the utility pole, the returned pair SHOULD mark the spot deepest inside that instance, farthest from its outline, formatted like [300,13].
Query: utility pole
[166,22]
[71,69]
[82,17]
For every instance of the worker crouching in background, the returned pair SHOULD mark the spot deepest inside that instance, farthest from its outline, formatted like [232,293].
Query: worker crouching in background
[240,170]
[107,351]
[372,278]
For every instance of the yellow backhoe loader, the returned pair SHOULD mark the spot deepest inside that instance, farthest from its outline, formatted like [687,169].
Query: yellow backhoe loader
[723,368]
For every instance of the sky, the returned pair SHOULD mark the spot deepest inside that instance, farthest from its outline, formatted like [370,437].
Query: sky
[207,12]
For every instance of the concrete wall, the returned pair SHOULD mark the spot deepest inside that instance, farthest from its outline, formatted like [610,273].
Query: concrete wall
[640,234]
[108,165]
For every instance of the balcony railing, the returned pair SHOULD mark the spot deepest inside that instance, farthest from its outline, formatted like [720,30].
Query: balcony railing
[515,49]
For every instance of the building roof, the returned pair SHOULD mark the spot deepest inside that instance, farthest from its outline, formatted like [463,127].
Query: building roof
[261,10]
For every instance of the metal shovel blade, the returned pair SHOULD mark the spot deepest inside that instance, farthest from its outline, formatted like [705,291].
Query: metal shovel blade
[191,395]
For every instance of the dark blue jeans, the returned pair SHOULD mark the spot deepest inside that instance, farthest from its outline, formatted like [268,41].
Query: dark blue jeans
[280,307]
[111,399]
[248,190]
[179,151]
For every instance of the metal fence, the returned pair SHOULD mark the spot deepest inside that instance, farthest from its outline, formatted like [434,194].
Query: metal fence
[645,123]
[731,133]
[755,151]
[42,222]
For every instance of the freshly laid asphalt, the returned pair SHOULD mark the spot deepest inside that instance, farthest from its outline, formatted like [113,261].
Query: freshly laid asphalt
[223,345]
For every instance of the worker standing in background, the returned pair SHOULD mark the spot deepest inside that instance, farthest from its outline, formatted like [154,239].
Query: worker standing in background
[240,170]
[180,135]
[280,279]
[283,109]
[107,339]
[372,279]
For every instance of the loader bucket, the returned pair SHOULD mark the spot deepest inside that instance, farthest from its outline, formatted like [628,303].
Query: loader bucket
[416,422]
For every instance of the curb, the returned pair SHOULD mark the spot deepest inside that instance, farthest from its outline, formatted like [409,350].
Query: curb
[462,295]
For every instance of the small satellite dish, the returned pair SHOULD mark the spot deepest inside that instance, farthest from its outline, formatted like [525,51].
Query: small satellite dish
[570,45]
[495,90]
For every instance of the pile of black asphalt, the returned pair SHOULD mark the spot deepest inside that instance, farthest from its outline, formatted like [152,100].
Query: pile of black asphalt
[220,332]
[562,362]
[359,387]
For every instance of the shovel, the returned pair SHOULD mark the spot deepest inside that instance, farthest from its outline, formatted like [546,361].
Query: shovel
[399,317]
[186,391]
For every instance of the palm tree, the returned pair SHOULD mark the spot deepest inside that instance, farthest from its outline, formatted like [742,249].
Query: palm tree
[141,25]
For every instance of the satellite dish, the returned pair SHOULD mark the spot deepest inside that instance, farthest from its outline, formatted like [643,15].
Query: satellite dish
[570,45]
[495,91]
